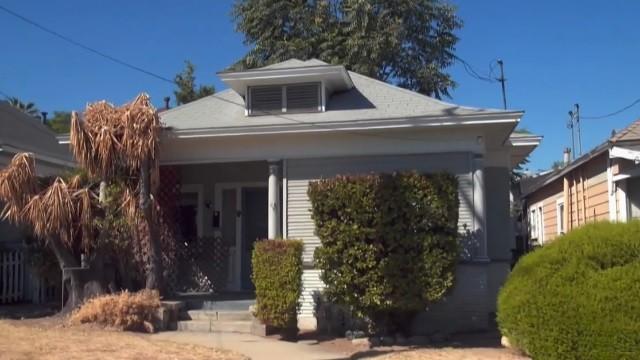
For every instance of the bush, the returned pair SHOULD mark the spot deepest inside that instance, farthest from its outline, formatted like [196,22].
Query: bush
[577,298]
[125,310]
[389,243]
[277,276]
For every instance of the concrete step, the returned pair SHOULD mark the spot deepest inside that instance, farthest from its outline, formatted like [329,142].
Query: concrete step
[216,315]
[227,326]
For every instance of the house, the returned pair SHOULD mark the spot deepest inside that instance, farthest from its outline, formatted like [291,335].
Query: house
[603,184]
[242,160]
[20,132]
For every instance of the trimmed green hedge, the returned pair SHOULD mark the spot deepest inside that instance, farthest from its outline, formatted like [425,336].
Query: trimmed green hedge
[578,297]
[389,243]
[277,276]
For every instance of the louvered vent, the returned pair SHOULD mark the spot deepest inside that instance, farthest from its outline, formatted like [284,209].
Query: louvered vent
[303,97]
[266,99]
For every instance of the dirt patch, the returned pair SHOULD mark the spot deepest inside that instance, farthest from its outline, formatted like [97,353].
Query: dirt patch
[52,340]
[472,346]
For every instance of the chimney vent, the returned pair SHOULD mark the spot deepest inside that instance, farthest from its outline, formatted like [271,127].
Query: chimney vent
[44,117]
[166,102]
[566,159]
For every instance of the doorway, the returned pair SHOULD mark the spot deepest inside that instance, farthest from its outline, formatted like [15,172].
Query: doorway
[243,219]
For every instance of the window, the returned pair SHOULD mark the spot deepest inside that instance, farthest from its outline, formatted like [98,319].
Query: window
[536,224]
[560,216]
[284,98]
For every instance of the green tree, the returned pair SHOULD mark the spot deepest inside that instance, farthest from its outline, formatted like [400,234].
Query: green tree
[406,42]
[60,122]
[187,91]
[27,108]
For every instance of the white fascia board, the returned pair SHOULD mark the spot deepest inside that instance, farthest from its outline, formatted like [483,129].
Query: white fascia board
[370,124]
[629,153]
[533,140]
[48,159]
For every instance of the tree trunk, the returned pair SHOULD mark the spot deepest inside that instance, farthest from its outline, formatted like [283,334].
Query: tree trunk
[67,261]
[154,274]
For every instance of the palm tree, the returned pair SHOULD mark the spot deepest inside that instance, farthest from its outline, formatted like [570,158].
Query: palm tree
[110,141]
[59,212]
[27,108]
[115,140]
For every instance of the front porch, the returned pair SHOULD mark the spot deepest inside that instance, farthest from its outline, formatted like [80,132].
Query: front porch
[219,211]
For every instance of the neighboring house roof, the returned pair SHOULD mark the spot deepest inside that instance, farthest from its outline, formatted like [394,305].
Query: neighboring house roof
[529,184]
[369,102]
[20,132]
[629,133]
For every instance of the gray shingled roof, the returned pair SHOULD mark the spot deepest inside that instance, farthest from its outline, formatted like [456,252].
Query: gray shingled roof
[28,134]
[370,99]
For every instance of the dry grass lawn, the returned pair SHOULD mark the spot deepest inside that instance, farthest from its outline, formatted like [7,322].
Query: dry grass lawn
[80,343]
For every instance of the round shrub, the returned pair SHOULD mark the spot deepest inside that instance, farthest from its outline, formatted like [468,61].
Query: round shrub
[578,297]
[388,243]
[277,276]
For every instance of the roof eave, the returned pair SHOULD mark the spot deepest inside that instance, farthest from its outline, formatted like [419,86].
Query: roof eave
[363,125]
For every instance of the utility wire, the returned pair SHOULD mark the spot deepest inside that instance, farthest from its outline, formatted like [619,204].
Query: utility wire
[613,113]
[4,94]
[85,47]
[473,73]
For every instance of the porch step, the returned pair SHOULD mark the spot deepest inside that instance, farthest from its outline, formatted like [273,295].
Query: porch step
[215,315]
[224,326]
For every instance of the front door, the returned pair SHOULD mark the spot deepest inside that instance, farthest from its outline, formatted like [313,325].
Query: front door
[254,227]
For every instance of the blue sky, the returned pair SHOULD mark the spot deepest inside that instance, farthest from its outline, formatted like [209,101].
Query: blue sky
[556,53]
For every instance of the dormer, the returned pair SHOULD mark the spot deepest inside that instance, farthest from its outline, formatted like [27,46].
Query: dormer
[293,86]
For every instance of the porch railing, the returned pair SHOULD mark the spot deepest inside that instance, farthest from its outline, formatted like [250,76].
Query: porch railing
[202,265]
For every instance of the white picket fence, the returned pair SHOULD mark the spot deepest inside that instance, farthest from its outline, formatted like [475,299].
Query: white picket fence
[11,276]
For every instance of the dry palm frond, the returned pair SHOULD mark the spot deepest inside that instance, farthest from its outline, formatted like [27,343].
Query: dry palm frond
[35,214]
[59,210]
[84,214]
[80,143]
[17,184]
[114,138]
[129,206]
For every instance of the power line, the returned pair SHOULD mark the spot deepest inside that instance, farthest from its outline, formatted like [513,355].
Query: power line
[613,113]
[473,73]
[85,47]
[4,94]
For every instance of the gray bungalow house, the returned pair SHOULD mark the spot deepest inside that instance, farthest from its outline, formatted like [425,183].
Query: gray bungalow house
[242,160]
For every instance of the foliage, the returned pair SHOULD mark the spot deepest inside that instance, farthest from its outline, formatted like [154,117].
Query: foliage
[28,108]
[408,42]
[186,82]
[41,258]
[125,310]
[60,123]
[277,276]
[577,298]
[377,229]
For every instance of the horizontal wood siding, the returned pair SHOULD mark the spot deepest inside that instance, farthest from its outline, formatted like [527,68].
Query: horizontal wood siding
[301,172]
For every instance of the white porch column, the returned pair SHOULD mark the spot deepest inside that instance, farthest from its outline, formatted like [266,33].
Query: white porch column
[274,200]
[479,207]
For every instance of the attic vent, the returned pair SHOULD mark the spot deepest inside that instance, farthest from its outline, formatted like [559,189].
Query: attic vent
[266,99]
[284,98]
[303,97]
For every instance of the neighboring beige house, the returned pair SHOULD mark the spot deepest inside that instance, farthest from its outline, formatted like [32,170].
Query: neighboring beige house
[601,185]
[243,158]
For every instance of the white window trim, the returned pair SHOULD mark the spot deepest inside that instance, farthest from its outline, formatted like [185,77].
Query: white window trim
[560,216]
